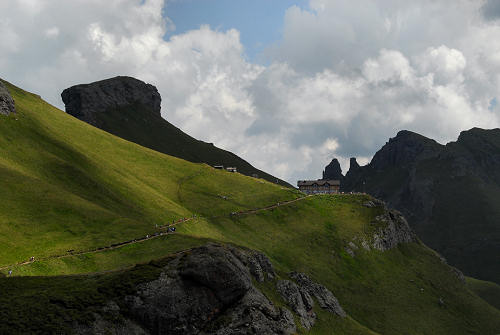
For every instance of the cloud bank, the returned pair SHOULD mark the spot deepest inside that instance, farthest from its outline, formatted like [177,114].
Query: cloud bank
[344,78]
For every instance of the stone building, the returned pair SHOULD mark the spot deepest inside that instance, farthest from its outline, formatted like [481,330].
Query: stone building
[319,186]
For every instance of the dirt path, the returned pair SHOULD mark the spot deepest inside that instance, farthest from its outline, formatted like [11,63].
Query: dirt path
[152,236]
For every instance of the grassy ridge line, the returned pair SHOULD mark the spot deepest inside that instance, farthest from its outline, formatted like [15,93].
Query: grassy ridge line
[148,236]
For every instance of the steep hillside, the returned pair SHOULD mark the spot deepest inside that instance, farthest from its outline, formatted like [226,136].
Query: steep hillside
[130,109]
[86,203]
[449,193]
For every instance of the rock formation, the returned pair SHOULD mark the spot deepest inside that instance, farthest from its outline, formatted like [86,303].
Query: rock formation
[394,230]
[207,290]
[86,100]
[7,105]
[333,171]
[299,296]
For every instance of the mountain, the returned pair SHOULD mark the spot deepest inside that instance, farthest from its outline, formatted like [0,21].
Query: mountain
[449,193]
[130,109]
[96,213]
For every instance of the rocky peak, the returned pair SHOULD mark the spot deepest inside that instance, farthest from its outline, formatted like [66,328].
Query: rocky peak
[6,102]
[353,165]
[333,171]
[404,149]
[86,100]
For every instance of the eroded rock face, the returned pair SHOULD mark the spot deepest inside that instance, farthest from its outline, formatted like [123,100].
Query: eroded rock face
[299,300]
[207,290]
[299,295]
[325,297]
[85,101]
[394,230]
[6,102]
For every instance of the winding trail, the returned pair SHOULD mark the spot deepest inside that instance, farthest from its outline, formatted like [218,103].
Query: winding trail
[155,235]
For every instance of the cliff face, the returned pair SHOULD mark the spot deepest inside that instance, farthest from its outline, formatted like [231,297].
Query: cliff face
[86,101]
[449,194]
[130,109]
[6,102]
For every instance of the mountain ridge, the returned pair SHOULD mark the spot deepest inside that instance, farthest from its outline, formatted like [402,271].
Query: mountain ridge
[130,109]
[447,192]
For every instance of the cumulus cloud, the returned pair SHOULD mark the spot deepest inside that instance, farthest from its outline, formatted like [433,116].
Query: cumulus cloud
[344,78]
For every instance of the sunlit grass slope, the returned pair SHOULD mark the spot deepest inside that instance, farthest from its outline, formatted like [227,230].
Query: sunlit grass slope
[66,185]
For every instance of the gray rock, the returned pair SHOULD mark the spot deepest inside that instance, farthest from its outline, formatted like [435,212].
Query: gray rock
[395,230]
[259,265]
[84,101]
[299,300]
[325,297]
[7,105]
[208,290]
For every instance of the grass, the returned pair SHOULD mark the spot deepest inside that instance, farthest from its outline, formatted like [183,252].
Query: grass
[489,291]
[66,185]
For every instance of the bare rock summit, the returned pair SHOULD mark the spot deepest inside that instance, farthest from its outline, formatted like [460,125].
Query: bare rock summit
[86,100]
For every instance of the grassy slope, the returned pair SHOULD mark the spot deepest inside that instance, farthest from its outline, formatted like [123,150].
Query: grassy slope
[56,195]
[152,131]
[487,290]
[67,185]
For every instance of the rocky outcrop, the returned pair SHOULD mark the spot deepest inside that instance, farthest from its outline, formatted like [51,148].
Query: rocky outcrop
[324,296]
[299,300]
[333,171]
[87,100]
[7,105]
[393,230]
[299,295]
[207,290]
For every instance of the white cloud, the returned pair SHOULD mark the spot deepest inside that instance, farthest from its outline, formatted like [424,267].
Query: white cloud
[344,78]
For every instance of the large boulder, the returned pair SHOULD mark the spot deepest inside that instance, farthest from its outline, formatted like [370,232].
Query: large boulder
[86,100]
[6,102]
[206,290]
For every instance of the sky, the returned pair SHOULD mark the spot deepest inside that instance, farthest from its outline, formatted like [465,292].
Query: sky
[287,85]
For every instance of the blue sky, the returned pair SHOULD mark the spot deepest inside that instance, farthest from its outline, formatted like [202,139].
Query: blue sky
[260,22]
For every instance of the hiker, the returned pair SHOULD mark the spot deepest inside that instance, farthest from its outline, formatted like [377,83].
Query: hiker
[10,272]
[32,258]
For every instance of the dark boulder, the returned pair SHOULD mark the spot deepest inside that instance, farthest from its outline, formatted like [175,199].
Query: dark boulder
[86,100]
[7,105]
[206,290]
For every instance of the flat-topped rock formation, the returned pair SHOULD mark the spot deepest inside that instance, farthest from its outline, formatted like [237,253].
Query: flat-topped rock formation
[86,101]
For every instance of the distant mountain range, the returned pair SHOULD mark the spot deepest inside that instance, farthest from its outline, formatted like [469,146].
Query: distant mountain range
[130,109]
[450,193]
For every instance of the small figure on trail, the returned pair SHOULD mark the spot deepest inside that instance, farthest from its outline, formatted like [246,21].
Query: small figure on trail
[147,236]
[173,229]
[10,272]
[32,258]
